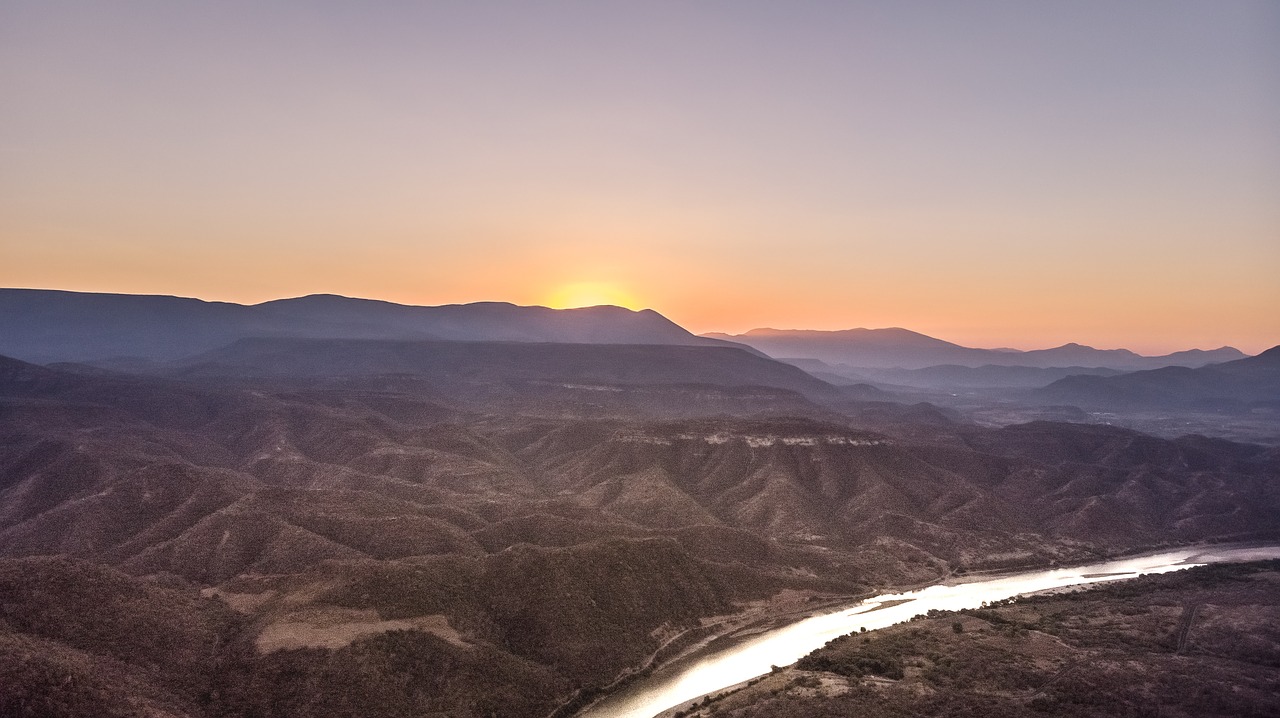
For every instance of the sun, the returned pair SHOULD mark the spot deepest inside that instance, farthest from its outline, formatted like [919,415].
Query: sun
[590,294]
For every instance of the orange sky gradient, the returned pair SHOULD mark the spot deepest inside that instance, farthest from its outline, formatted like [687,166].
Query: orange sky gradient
[993,174]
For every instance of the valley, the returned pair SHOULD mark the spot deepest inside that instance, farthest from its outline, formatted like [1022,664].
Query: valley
[286,526]
[628,359]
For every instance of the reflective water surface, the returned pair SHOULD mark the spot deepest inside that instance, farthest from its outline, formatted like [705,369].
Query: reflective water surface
[720,665]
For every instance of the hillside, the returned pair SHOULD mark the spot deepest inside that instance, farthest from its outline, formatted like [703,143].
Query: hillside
[346,532]
[497,363]
[215,464]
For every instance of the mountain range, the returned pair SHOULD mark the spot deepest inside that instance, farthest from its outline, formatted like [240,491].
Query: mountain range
[55,326]
[1249,383]
[46,326]
[905,349]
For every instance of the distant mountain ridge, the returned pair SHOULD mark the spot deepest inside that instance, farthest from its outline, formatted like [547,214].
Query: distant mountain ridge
[904,349]
[46,326]
[1252,381]
[988,376]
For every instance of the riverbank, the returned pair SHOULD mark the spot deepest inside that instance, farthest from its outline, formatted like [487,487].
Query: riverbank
[786,607]
[771,618]
[1200,642]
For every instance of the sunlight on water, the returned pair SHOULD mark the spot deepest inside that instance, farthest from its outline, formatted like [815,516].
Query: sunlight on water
[784,646]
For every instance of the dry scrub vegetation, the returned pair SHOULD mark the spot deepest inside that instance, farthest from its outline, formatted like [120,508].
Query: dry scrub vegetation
[353,529]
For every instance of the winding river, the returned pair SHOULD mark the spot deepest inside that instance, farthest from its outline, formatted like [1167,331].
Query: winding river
[749,655]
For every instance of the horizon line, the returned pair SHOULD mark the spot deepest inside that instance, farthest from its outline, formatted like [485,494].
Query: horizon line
[1005,347]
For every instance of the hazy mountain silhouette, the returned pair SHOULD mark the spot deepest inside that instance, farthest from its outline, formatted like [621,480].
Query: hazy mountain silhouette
[1253,381]
[496,363]
[905,349]
[858,347]
[46,326]
[945,377]
[988,376]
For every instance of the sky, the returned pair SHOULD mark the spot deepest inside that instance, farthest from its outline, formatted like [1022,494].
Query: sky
[994,173]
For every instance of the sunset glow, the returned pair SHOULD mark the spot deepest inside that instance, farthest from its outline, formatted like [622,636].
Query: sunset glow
[997,174]
[590,294]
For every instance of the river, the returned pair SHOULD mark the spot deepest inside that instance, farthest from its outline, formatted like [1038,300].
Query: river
[728,662]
